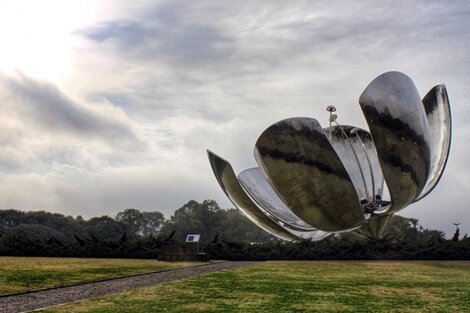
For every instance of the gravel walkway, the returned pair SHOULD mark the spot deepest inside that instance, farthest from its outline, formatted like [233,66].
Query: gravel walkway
[49,297]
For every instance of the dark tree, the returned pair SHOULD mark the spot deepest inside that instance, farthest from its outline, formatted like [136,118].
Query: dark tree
[142,224]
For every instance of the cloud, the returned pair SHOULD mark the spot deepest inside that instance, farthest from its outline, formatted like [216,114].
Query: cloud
[168,31]
[43,132]
[177,77]
[43,106]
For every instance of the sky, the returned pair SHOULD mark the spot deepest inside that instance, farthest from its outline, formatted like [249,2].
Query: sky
[110,104]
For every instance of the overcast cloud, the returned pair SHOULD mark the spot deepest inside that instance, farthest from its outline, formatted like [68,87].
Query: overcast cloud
[151,84]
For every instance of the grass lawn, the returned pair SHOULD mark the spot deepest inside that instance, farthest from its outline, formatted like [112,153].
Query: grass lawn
[302,287]
[25,273]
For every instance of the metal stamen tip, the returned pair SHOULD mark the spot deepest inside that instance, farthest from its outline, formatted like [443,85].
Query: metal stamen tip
[330,108]
[354,131]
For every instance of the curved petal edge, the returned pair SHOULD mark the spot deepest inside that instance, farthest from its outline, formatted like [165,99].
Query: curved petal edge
[437,107]
[397,121]
[261,191]
[227,180]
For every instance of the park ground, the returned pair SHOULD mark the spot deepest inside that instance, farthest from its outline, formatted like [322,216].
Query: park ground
[26,273]
[304,286]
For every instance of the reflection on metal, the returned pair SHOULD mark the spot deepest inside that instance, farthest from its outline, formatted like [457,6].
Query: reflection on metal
[258,187]
[356,150]
[436,105]
[312,182]
[398,125]
[228,182]
[297,158]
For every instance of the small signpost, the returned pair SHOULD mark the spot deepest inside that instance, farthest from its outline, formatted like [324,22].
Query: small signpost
[173,251]
[192,244]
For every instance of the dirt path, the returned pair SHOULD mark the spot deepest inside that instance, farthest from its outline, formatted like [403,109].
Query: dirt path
[29,301]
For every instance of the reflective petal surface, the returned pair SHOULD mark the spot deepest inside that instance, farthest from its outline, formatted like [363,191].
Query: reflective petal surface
[397,121]
[228,182]
[313,182]
[437,107]
[256,185]
[304,169]
[356,150]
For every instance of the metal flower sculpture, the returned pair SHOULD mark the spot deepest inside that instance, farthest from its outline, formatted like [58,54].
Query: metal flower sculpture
[313,181]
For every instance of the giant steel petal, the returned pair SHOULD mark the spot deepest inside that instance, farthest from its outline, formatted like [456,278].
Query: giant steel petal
[398,125]
[356,150]
[437,107]
[260,190]
[304,169]
[228,182]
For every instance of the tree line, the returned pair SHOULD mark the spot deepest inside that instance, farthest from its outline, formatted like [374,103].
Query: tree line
[225,234]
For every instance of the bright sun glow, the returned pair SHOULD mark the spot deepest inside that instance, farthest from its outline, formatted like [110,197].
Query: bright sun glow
[36,37]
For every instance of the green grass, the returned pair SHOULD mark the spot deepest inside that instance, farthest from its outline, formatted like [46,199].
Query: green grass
[302,287]
[25,273]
